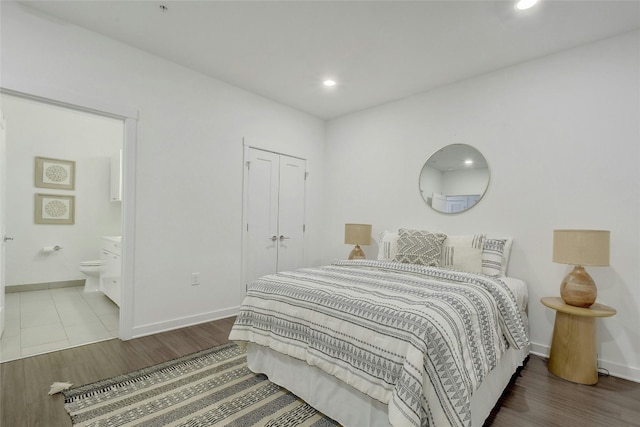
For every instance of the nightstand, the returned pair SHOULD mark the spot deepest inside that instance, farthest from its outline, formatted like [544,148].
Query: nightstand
[573,347]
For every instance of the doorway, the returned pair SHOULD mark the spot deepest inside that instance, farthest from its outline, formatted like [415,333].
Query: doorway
[274,202]
[45,304]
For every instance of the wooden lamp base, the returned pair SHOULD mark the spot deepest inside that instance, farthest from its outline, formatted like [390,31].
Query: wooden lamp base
[357,253]
[578,288]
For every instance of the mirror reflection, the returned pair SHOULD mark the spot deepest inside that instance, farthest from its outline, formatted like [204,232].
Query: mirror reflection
[454,178]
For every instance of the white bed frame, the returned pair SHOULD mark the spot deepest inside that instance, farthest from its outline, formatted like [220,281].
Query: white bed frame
[350,407]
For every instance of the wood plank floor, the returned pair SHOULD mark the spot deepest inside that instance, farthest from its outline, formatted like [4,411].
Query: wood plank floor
[535,398]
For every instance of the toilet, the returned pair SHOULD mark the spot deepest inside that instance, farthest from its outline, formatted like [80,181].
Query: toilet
[92,270]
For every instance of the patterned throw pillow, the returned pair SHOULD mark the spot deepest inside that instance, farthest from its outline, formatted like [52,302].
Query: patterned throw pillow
[419,247]
[495,256]
[388,245]
[463,252]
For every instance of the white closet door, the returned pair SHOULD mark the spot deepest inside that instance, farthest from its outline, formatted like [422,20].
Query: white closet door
[262,217]
[275,213]
[291,213]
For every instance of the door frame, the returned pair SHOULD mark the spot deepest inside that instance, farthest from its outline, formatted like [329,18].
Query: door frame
[244,263]
[3,208]
[129,117]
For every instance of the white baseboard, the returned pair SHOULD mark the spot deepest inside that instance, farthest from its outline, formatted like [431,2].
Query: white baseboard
[620,371]
[539,350]
[615,369]
[183,322]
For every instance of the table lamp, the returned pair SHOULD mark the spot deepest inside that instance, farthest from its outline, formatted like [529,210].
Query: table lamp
[580,248]
[357,234]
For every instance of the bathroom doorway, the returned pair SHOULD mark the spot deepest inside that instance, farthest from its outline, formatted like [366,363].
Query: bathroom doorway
[46,308]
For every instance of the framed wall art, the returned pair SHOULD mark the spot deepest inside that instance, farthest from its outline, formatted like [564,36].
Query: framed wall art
[55,173]
[54,209]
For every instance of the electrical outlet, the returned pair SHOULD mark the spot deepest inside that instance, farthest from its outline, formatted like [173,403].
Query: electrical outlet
[195,279]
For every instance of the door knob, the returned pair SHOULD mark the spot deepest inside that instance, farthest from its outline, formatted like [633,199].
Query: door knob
[274,238]
[283,238]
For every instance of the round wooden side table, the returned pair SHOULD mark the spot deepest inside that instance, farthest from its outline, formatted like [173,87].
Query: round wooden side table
[573,347]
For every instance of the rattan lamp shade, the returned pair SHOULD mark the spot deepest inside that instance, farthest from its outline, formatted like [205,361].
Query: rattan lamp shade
[580,248]
[357,234]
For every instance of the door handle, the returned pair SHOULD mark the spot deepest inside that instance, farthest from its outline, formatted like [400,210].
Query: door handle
[11,238]
[283,238]
[274,238]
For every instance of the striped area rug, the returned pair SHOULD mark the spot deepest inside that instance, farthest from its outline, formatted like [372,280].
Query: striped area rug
[213,387]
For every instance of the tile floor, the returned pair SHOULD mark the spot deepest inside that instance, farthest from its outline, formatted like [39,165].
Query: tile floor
[48,320]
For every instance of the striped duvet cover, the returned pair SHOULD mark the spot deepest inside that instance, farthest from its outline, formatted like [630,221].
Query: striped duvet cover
[419,339]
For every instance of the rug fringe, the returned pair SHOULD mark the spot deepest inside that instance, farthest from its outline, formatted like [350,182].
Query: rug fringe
[58,387]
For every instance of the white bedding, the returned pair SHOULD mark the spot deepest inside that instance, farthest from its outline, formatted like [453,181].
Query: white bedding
[419,339]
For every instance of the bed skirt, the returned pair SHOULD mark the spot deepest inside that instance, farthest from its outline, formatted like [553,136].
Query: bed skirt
[349,406]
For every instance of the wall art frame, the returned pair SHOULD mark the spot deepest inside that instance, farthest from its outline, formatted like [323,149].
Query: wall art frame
[55,173]
[54,209]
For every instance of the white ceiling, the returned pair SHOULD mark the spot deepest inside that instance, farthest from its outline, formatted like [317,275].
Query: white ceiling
[377,51]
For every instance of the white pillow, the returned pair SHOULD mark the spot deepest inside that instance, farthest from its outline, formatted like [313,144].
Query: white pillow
[495,256]
[463,252]
[419,247]
[388,245]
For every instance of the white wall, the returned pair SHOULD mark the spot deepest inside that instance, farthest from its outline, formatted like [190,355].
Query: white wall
[36,129]
[561,136]
[189,159]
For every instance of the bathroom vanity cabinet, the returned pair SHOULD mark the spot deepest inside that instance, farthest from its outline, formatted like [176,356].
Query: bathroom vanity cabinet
[110,275]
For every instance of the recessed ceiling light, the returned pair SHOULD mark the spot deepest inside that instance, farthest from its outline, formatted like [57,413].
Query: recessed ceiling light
[329,83]
[525,4]
[468,162]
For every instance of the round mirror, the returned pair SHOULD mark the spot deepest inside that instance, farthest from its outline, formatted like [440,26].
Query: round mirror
[454,178]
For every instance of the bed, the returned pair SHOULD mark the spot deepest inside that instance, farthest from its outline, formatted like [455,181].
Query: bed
[381,342]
